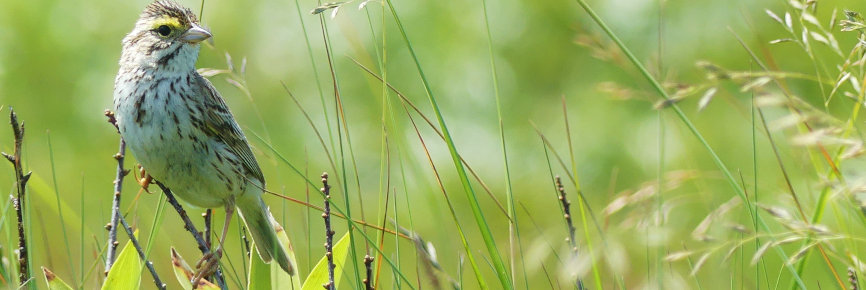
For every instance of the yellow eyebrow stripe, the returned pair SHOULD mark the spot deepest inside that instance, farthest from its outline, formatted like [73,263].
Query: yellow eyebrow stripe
[167,20]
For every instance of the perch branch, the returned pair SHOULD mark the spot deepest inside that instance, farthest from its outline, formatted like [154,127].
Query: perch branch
[18,202]
[368,264]
[141,255]
[329,233]
[190,227]
[111,253]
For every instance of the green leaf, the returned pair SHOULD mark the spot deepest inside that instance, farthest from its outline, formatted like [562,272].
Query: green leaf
[54,282]
[279,278]
[260,273]
[319,274]
[126,271]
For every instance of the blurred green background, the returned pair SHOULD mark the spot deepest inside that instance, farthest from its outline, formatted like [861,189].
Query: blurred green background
[58,60]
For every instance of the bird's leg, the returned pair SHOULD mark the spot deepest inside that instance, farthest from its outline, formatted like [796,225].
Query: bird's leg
[210,261]
[145,179]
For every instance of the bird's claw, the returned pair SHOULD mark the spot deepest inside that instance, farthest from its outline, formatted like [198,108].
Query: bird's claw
[207,266]
[145,179]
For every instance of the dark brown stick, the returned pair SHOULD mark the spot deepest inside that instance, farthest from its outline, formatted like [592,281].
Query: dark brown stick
[18,202]
[368,263]
[329,233]
[208,220]
[190,227]
[566,207]
[141,255]
[208,215]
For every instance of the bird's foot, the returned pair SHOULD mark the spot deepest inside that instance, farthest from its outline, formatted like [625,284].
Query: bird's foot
[207,266]
[145,180]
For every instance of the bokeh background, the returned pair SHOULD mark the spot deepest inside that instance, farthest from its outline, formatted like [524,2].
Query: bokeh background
[58,60]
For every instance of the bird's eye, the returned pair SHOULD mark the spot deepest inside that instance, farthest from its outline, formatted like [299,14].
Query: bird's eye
[163,30]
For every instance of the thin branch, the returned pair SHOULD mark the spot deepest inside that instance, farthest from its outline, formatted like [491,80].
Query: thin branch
[208,217]
[329,233]
[190,227]
[18,202]
[111,253]
[148,264]
[368,263]
[566,207]
[208,214]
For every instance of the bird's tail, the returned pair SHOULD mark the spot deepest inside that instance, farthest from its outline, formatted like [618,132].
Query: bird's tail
[258,220]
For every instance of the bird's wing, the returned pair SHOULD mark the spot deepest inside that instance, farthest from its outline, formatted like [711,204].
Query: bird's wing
[221,125]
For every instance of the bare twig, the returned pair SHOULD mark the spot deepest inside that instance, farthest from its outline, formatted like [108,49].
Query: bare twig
[208,219]
[208,215]
[368,263]
[566,207]
[111,253]
[141,255]
[18,202]
[190,227]
[115,207]
[329,233]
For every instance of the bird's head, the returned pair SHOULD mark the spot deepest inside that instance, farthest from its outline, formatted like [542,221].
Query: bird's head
[166,37]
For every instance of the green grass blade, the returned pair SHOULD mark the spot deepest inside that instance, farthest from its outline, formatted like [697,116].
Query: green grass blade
[513,232]
[260,273]
[279,278]
[582,205]
[483,226]
[481,283]
[315,74]
[126,271]
[334,206]
[59,213]
[341,123]
[157,223]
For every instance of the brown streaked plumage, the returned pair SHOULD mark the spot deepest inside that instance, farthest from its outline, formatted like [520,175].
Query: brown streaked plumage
[180,129]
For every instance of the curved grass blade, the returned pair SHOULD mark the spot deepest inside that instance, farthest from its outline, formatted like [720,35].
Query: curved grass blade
[54,282]
[335,207]
[279,278]
[260,273]
[319,275]
[483,226]
[126,272]
[183,272]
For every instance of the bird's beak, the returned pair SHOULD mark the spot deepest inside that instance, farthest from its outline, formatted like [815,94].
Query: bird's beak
[196,34]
